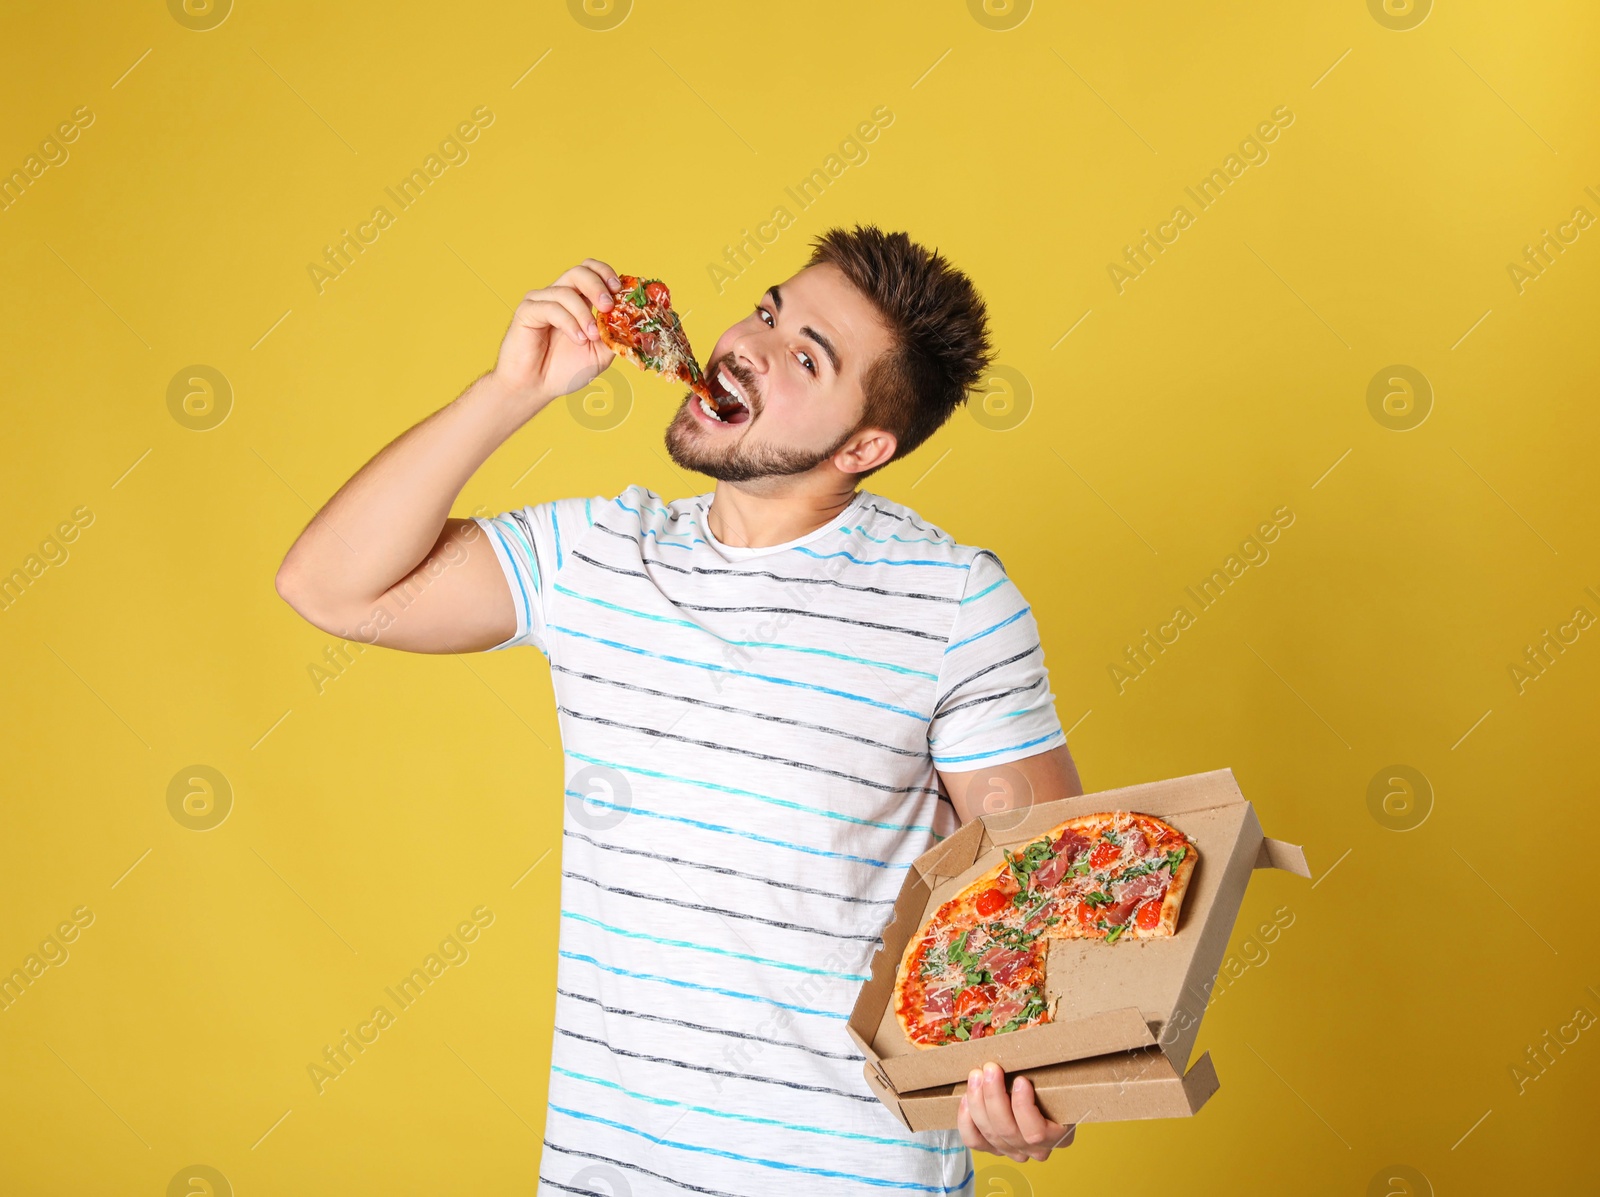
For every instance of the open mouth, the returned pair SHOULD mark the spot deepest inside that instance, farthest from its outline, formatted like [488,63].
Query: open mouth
[727,403]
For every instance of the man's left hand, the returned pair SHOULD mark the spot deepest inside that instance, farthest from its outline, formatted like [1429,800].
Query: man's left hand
[1013,1125]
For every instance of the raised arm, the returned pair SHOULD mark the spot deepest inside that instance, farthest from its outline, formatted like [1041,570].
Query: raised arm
[382,562]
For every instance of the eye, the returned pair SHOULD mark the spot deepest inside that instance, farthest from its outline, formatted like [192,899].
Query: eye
[805,360]
[764,315]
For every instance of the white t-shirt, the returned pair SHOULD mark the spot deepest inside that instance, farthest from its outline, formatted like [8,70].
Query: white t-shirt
[750,740]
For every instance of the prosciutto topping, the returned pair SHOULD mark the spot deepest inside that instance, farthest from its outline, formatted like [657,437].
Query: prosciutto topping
[978,969]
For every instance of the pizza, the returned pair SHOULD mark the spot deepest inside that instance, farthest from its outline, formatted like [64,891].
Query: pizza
[976,966]
[643,328]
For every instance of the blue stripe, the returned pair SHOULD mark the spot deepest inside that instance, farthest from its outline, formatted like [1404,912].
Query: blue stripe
[697,947]
[892,536]
[793,648]
[778,1164]
[878,560]
[555,522]
[710,785]
[760,677]
[733,993]
[527,611]
[587,513]
[975,756]
[749,835]
[987,725]
[987,631]
[975,597]
[694,540]
[794,1126]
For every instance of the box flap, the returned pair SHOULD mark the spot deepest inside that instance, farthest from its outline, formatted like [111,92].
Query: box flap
[1095,1035]
[1138,1004]
[1113,1088]
[1201,1081]
[1291,858]
[952,855]
[884,1092]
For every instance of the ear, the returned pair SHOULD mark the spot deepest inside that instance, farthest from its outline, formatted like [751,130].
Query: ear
[866,450]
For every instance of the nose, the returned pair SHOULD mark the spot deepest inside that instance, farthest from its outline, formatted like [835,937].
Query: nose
[750,351]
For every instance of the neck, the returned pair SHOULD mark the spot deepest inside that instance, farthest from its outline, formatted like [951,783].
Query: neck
[774,511]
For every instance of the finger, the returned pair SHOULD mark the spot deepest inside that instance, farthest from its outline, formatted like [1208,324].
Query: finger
[971,1136]
[545,313]
[1039,1133]
[604,271]
[591,285]
[999,1123]
[574,301]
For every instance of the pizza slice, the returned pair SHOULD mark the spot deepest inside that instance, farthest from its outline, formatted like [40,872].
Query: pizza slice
[642,327]
[976,967]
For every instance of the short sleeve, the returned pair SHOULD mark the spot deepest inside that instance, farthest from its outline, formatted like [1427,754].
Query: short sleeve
[532,544]
[994,703]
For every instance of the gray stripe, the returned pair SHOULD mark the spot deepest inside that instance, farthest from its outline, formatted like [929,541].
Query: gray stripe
[990,668]
[727,872]
[972,702]
[845,619]
[760,756]
[717,706]
[694,1026]
[737,1076]
[917,524]
[533,550]
[761,573]
[860,623]
[589,1155]
[717,910]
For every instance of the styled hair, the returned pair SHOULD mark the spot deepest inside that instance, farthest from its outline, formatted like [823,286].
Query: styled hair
[938,330]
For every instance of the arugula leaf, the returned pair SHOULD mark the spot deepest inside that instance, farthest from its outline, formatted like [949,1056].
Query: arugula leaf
[637,297]
[967,961]
[1017,869]
[1030,1010]
[1024,864]
[1097,898]
[961,1032]
[1175,857]
[1116,933]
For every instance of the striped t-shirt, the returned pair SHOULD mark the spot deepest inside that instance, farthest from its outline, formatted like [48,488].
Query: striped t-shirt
[750,741]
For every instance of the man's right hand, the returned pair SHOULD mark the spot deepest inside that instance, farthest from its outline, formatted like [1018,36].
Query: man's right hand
[553,346]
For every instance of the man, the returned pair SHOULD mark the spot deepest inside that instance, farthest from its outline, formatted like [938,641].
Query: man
[772,699]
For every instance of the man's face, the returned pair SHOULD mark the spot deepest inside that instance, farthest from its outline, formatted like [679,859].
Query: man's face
[797,363]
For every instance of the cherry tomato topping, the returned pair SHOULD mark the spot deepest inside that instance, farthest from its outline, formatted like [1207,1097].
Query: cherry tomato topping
[1149,914]
[974,999]
[657,292]
[991,901]
[1104,854]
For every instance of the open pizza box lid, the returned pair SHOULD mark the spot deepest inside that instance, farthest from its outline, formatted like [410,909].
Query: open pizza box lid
[1128,1013]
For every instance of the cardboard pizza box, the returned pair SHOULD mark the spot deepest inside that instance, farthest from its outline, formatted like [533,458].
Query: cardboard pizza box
[1128,1013]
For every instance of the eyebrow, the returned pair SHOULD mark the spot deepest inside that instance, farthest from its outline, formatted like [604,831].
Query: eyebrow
[807,330]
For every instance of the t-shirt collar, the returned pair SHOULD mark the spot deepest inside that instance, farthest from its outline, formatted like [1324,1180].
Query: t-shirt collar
[735,553]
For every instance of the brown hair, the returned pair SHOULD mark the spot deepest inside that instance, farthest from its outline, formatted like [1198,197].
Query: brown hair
[938,329]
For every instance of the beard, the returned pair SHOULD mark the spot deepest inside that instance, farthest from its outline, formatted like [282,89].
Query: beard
[692,447]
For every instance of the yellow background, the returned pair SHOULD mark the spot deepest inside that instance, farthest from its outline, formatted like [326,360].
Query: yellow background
[371,815]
